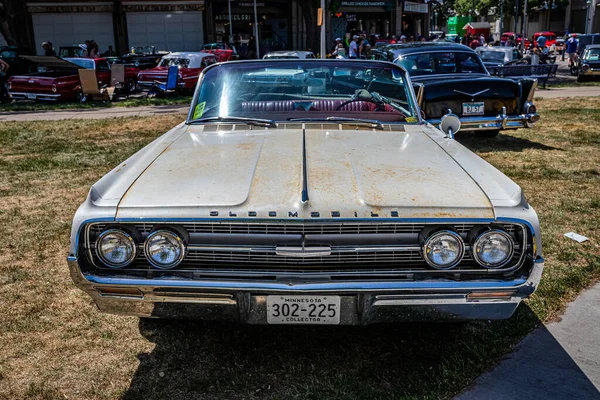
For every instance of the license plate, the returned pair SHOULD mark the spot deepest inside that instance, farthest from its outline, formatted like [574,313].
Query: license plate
[320,310]
[31,96]
[473,108]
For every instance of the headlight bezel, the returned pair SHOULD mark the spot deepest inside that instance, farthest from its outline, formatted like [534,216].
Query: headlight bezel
[180,241]
[484,233]
[127,236]
[431,236]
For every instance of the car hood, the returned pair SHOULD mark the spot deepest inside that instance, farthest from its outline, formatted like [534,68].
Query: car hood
[232,171]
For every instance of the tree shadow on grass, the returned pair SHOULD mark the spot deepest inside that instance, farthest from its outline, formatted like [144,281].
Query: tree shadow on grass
[503,142]
[409,360]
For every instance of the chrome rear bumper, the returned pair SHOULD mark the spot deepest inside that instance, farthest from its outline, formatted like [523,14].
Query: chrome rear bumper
[34,96]
[482,123]
[362,302]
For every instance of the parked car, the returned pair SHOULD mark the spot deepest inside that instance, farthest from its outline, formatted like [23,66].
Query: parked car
[223,51]
[142,57]
[586,40]
[497,56]
[289,54]
[451,78]
[12,56]
[274,204]
[60,80]
[550,38]
[588,65]
[518,39]
[190,65]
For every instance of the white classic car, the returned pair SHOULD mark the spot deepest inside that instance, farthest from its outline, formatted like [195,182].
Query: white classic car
[313,197]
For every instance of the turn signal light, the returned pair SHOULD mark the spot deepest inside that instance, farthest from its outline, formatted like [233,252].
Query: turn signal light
[496,295]
[119,292]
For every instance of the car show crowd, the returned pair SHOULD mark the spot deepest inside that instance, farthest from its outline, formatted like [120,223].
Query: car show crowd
[541,49]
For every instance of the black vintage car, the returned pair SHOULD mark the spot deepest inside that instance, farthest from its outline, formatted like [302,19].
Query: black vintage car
[12,56]
[451,78]
[588,65]
[142,57]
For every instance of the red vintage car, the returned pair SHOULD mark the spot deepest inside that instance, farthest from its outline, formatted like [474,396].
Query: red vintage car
[223,51]
[519,38]
[550,38]
[59,79]
[190,65]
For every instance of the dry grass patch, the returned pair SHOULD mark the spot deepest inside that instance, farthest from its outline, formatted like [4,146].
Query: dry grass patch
[55,344]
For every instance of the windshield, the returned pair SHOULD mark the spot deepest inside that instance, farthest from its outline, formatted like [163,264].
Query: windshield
[82,62]
[177,62]
[593,55]
[142,50]
[279,57]
[441,63]
[297,89]
[492,56]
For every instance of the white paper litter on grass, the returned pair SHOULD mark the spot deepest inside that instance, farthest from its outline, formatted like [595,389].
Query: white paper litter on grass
[578,238]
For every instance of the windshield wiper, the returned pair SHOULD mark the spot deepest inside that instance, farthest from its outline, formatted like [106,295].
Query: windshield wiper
[373,123]
[250,121]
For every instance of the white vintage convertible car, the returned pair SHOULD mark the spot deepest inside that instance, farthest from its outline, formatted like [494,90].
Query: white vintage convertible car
[306,192]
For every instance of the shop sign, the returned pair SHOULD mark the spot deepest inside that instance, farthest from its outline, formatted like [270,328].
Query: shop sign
[409,6]
[162,7]
[249,4]
[234,17]
[365,3]
[69,9]
[351,17]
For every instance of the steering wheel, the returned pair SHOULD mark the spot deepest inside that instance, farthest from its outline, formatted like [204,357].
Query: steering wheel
[380,106]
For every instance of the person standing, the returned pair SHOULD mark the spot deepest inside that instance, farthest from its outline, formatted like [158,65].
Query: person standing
[571,49]
[109,53]
[4,96]
[48,49]
[353,53]
[93,49]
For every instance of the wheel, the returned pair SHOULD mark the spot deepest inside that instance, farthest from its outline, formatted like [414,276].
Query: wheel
[488,134]
[130,86]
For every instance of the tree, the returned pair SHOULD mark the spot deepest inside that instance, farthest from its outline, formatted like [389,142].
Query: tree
[14,23]
[309,13]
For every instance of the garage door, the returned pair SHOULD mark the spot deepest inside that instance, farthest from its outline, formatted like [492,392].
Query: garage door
[174,31]
[66,29]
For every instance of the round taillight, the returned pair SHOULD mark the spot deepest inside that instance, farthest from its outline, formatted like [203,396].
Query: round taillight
[53,88]
[585,67]
[531,109]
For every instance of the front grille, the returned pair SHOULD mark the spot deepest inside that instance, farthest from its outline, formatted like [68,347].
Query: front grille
[252,246]
[302,228]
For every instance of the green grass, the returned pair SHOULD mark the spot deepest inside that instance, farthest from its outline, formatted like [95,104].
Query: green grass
[134,102]
[55,344]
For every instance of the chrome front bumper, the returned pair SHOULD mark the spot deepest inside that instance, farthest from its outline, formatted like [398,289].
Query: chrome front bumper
[483,123]
[34,96]
[149,84]
[591,72]
[362,303]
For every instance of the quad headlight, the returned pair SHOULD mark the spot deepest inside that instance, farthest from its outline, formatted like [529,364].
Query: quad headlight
[164,249]
[443,249]
[493,248]
[115,248]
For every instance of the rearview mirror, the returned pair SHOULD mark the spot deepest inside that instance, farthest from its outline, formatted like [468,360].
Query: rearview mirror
[450,124]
